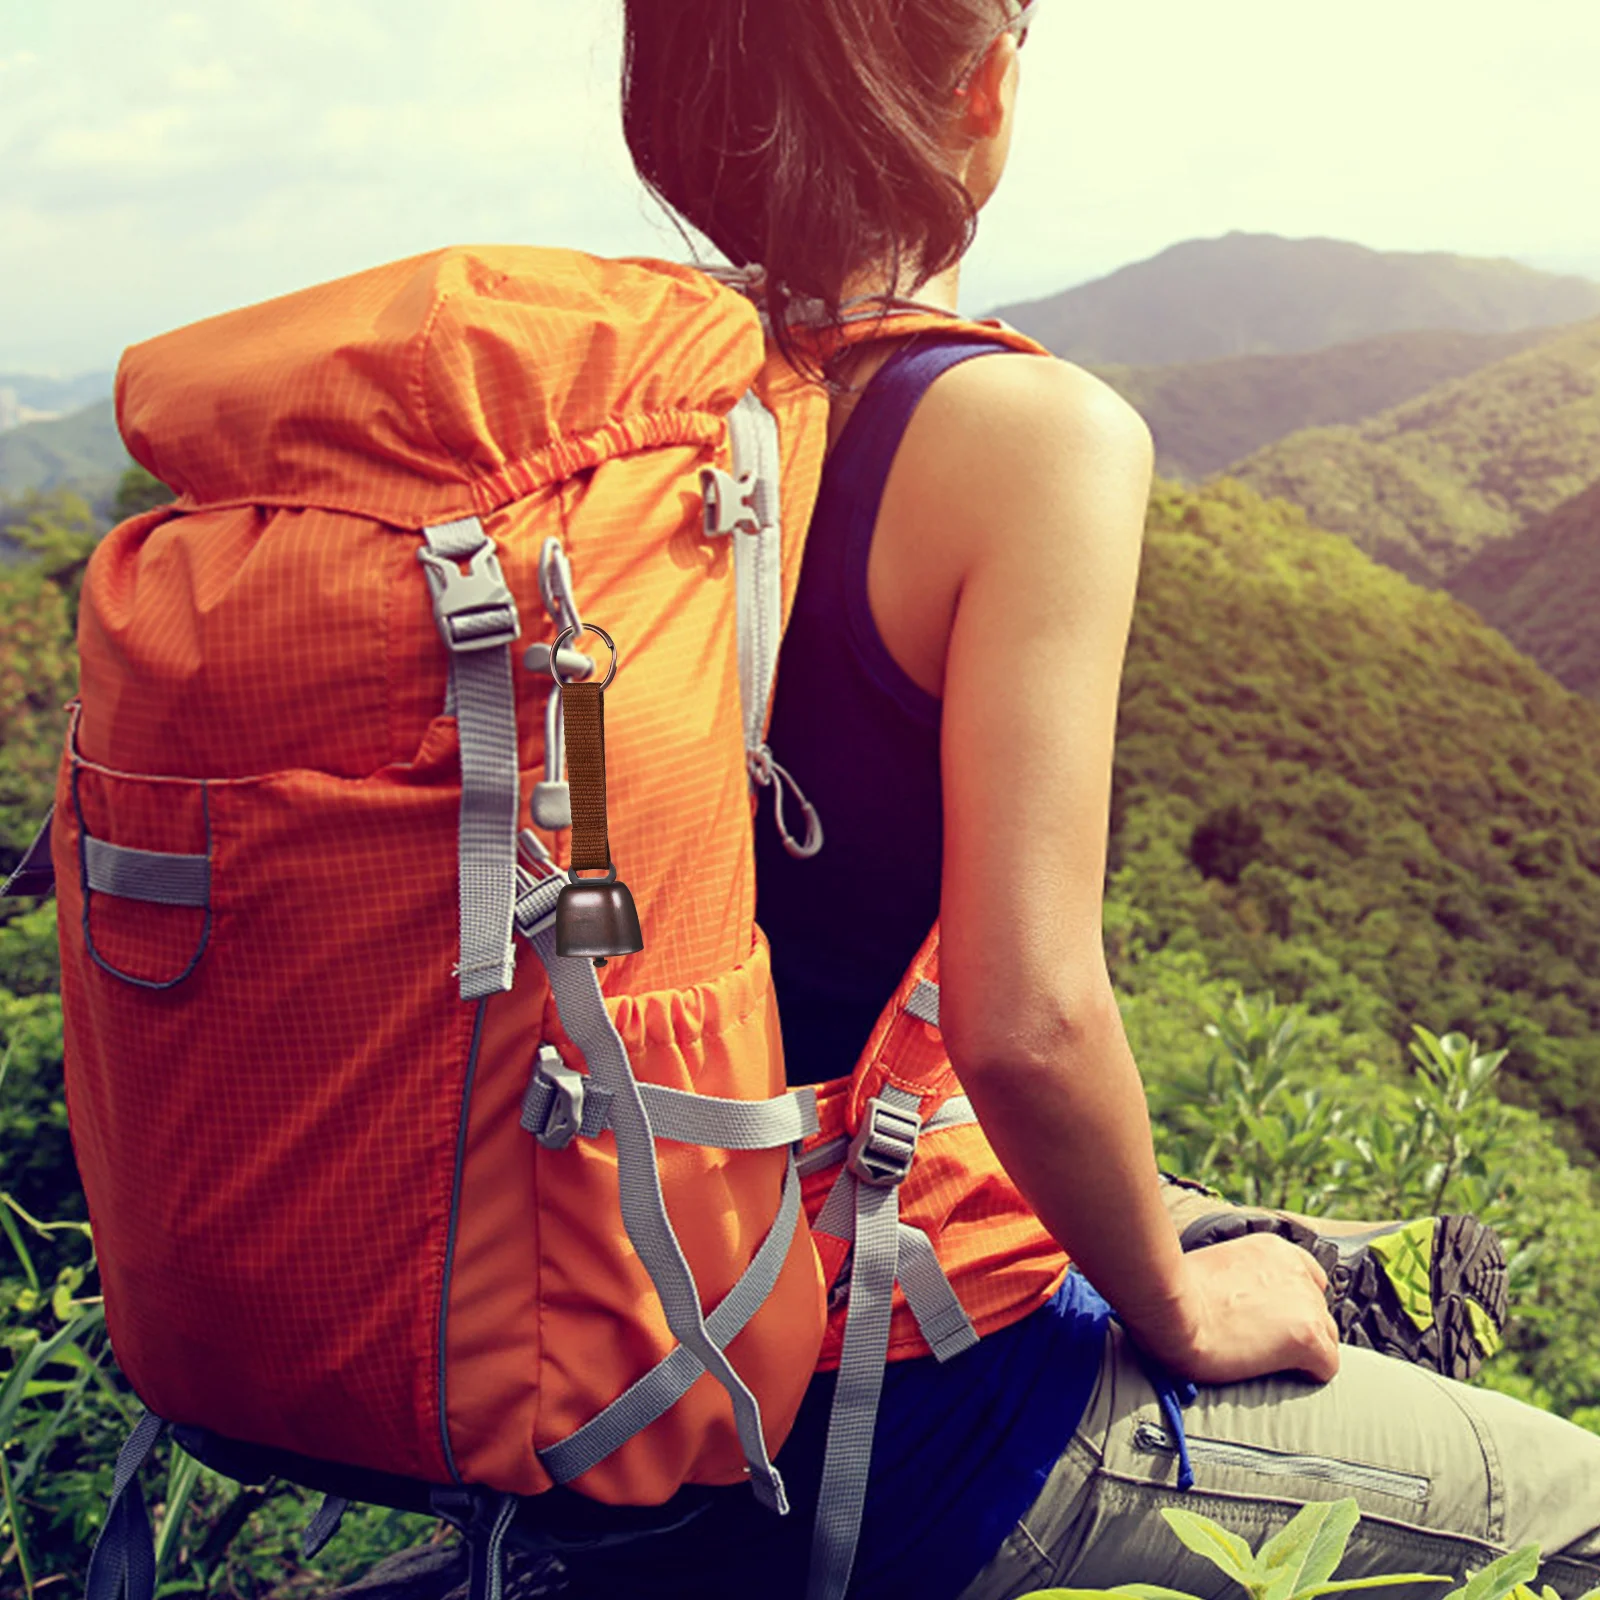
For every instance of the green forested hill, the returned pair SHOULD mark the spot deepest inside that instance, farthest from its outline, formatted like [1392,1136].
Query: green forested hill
[1205,414]
[1428,484]
[82,449]
[1256,293]
[1541,589]
[1349,789]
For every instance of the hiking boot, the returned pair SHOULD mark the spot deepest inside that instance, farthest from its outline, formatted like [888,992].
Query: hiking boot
[1431,1291]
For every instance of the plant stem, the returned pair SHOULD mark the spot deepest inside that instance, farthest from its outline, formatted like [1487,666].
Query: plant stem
[17,1541]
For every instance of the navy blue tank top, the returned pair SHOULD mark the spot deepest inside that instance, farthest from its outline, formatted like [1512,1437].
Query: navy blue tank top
[862,740]
[961,1450]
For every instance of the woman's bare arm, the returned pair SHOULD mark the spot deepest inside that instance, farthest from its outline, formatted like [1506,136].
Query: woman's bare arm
[1032,479]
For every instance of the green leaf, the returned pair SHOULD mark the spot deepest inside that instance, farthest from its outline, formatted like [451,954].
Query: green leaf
[1100,1594]
[9,1225]
[1223,1549]
[181,1480]
[1379,1582]
[1141,1591]
[1308,1549]
[40,1355]
[1500,1577]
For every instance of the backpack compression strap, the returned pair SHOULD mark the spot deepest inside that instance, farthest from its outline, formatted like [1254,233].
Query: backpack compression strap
[478,622]
[701,1341]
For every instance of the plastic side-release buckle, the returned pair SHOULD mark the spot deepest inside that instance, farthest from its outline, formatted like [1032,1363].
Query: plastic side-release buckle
[552,1110]
[731,503]
[474,609]
[885,1145]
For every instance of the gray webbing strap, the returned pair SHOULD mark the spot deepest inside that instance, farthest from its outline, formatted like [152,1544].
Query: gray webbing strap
[35,873]
[848,1455]
[122,1565]
[956,1112]
[576,987]
[676,1114]
[323,1525]
[924,1002]
[730,1124]
[486,1552]
[168,880]
[747,506]
[478,622]
[757,559]
[941,1318]
[670,1379]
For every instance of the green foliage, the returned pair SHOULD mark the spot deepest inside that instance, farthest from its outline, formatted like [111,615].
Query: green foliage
[1425,485]
[60,532]
[1540,589]
[1427,800]
[1275,1106]
[1298,1562]
[38,675]
[138,491]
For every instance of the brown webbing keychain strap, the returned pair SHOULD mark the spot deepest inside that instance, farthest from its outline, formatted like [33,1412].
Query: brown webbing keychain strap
[583,712]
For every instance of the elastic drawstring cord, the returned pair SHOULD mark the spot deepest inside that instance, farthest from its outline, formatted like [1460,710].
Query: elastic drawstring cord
[1173,1394]
[765,771]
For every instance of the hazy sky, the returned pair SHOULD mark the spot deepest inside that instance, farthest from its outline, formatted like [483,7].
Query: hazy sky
[160,162]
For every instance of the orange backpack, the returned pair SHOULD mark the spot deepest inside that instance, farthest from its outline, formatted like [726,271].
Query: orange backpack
[379,1196]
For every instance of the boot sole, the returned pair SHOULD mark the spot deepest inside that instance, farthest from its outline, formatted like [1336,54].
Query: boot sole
[1431,1292]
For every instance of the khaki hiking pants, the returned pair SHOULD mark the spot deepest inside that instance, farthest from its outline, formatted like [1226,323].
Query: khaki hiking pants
[1447,1477]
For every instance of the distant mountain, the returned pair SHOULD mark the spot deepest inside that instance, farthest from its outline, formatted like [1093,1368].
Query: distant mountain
[1428,484]
[82,450]
[27,391]
[1205,414]
[1541,589]
[1257,294]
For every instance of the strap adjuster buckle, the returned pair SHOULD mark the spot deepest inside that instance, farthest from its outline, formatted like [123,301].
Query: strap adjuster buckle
[730,502]
[885,1145]
[552,1111]
[474,609]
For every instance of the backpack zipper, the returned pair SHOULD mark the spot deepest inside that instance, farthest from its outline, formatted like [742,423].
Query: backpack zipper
[1281,1464]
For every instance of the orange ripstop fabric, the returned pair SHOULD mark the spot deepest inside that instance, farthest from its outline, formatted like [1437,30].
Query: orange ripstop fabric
[320,1223]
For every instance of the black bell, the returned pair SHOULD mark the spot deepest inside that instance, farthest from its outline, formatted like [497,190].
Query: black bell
[597,917]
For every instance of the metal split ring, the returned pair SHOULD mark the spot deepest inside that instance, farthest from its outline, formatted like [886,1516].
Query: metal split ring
[572,633]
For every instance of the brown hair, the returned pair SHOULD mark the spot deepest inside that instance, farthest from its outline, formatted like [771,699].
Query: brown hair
[805,136]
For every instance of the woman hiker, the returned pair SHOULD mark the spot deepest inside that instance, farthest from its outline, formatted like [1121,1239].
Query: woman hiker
[948,699]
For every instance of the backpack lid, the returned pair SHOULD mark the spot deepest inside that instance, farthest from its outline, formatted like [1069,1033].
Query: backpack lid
[441,386]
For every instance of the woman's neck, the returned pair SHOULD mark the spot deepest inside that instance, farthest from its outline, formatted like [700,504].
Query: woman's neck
[939,292]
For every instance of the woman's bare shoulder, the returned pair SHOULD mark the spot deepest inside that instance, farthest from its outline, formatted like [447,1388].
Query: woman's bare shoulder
[998,442]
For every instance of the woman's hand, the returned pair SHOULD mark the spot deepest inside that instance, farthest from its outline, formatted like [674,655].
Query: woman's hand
[1252,1306]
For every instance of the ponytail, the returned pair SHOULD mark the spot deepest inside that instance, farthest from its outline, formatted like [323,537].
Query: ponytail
[805,136]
